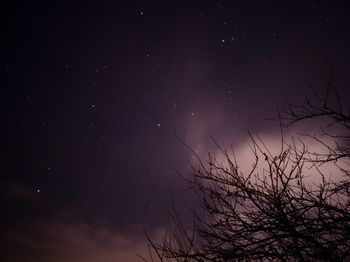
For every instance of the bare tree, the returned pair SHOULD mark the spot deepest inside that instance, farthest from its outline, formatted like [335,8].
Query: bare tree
[279,210]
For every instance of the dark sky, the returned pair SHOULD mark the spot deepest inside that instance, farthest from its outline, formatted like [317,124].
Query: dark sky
[93,95]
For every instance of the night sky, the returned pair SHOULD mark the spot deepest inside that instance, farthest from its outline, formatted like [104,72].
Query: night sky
[93,97]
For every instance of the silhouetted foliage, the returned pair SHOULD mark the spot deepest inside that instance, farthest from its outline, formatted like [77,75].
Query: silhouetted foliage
[288,207]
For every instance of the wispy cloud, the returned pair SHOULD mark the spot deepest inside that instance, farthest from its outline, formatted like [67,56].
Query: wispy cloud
[78,242]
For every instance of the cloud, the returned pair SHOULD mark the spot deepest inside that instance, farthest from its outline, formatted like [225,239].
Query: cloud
[78,242]
[245,156]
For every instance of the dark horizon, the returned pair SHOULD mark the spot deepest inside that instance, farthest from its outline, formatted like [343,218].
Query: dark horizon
[93,95]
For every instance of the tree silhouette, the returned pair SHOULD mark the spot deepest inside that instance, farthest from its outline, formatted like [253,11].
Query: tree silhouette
[288,207]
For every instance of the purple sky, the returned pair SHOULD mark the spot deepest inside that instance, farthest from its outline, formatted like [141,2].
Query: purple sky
[93,95]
